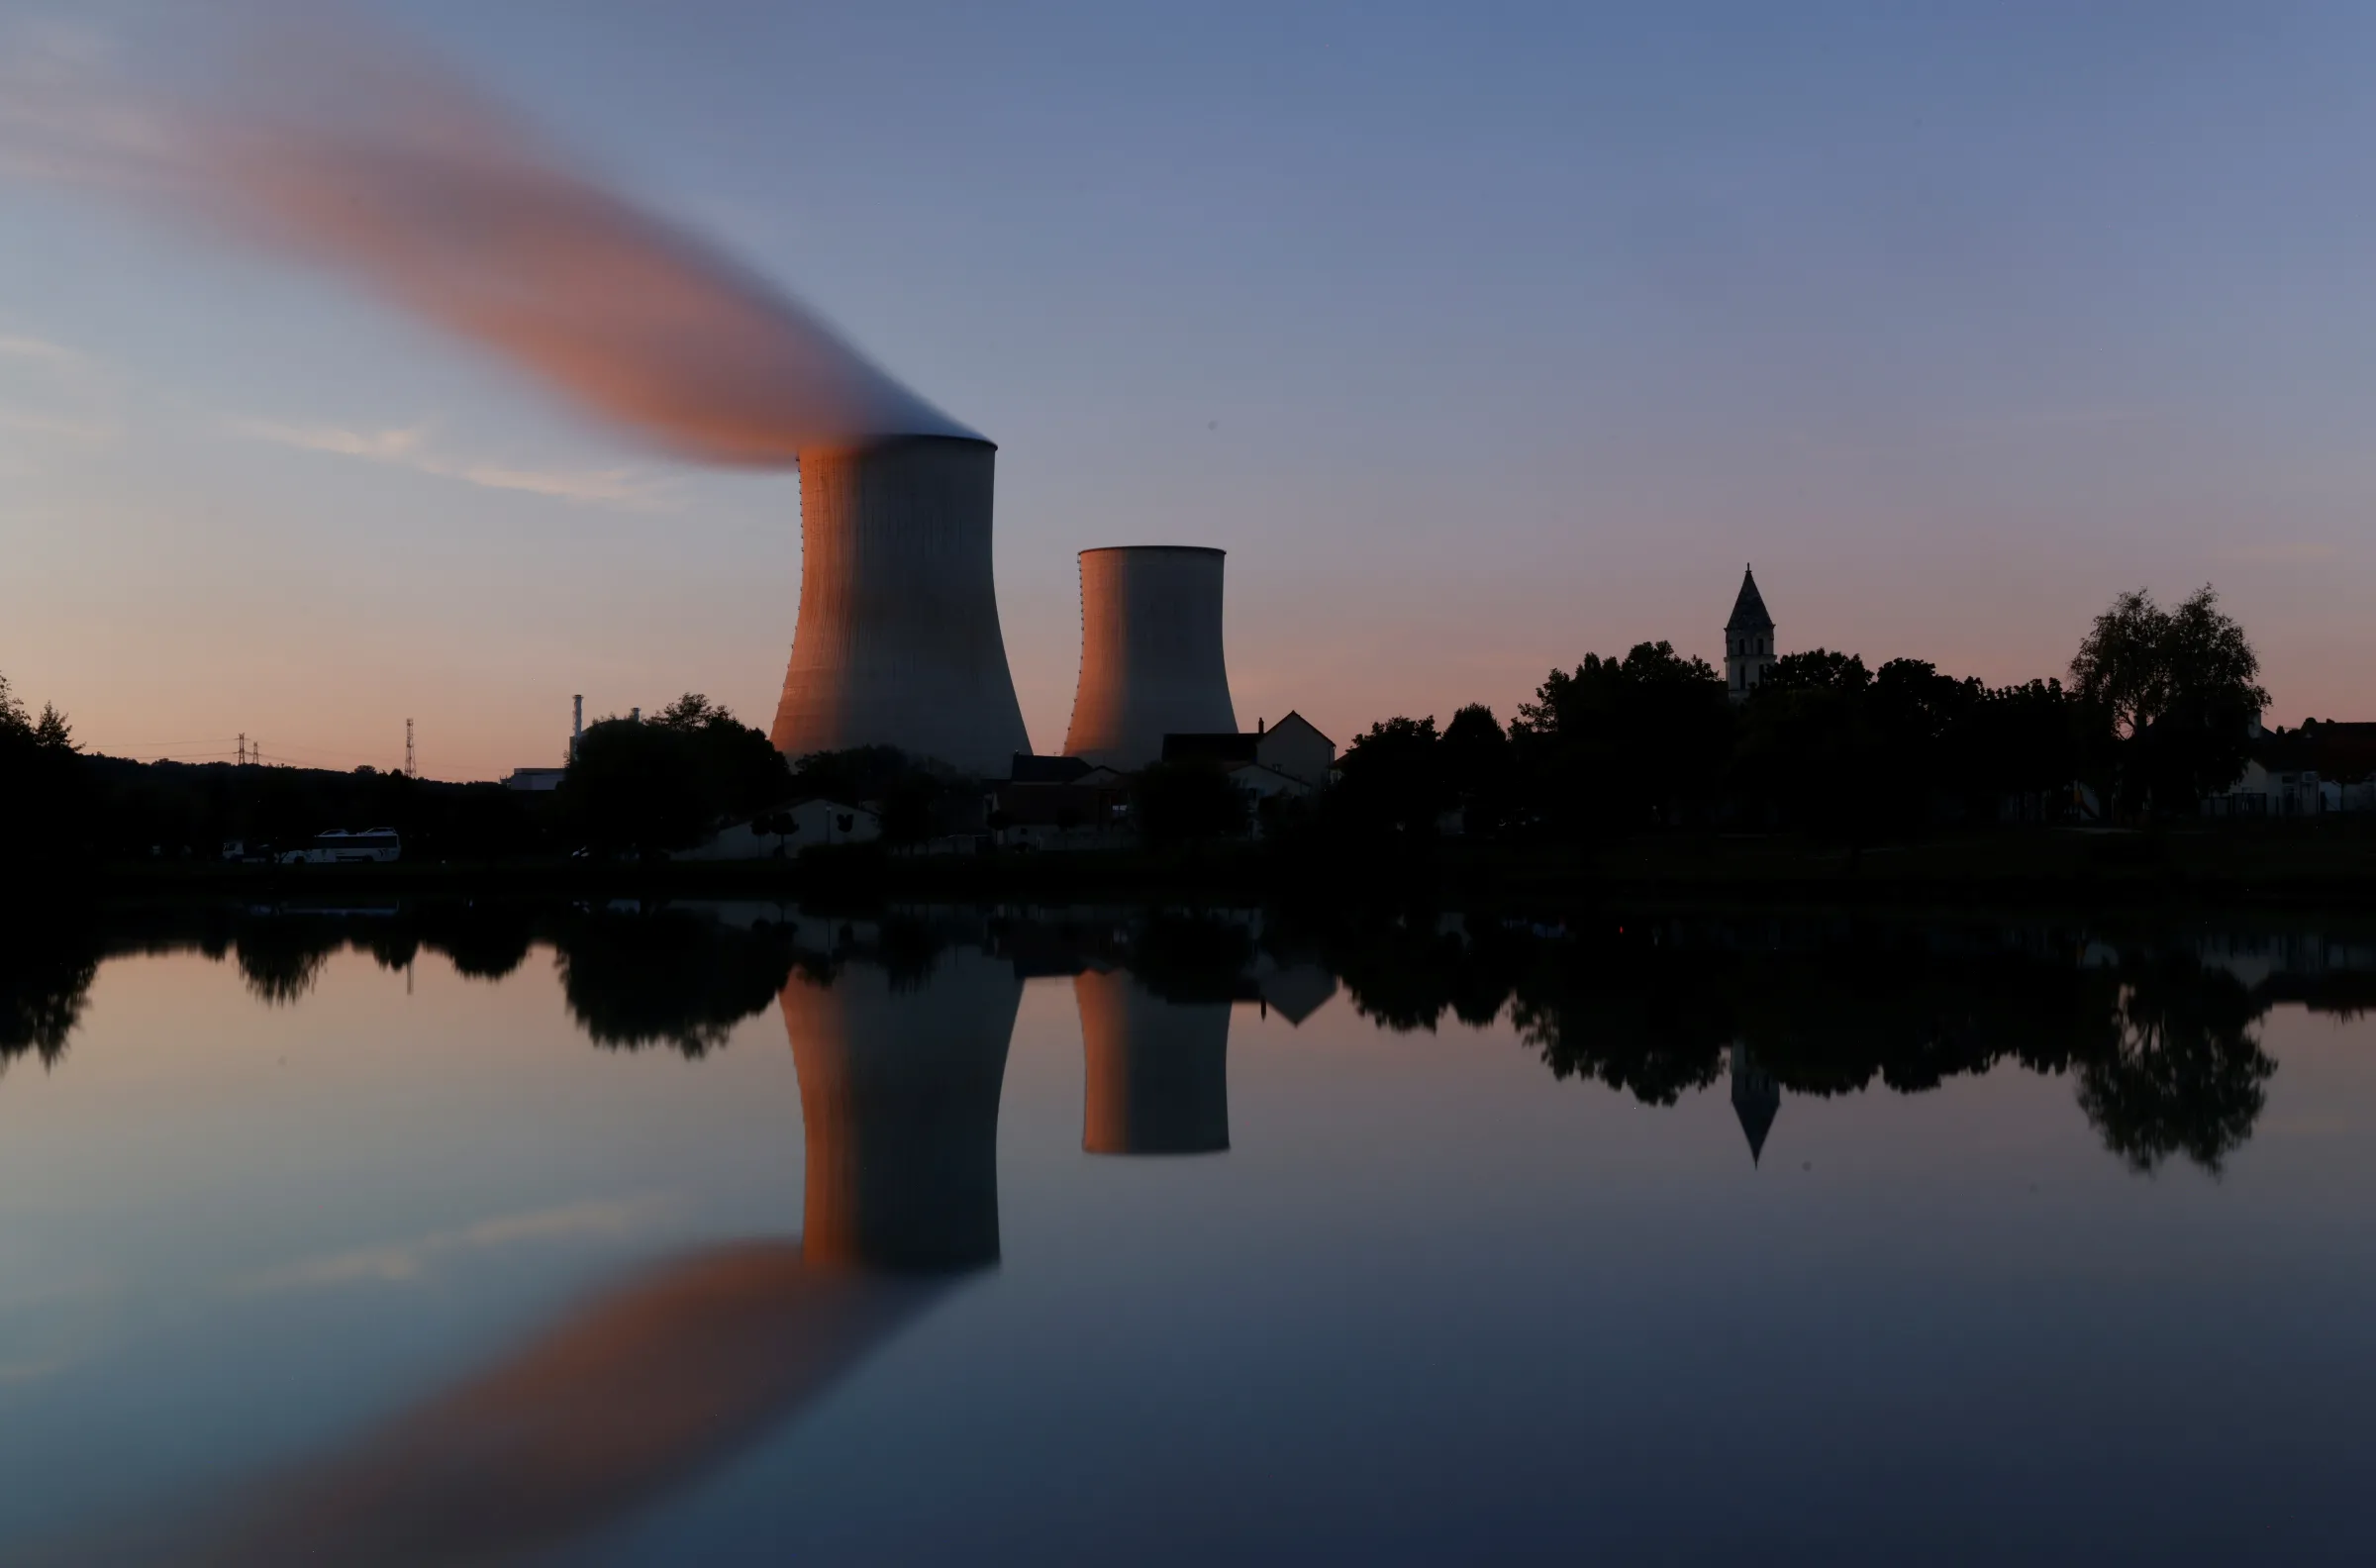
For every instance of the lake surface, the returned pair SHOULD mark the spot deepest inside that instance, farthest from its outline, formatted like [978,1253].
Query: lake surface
[735,1233]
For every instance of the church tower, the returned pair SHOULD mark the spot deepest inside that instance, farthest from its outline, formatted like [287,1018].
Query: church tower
[1756,1100]
[1749,641]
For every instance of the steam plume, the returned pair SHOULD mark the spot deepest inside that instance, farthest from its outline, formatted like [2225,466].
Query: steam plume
[331,143]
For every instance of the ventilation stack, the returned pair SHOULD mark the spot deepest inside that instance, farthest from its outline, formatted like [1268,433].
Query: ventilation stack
[898,641]
[1151,654]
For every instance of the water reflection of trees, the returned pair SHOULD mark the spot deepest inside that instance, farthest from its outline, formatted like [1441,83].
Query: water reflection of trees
[2181,1071]
[281,958]
[45,974]
[2158,1031]
[667,978]
[2161,1047]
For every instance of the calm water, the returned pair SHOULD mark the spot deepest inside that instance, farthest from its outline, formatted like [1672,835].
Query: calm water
[731,1235]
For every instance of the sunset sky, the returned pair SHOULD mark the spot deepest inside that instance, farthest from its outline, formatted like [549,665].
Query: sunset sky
[1481,336]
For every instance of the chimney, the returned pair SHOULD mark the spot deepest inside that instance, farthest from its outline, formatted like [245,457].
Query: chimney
[1258,726]
[578,723]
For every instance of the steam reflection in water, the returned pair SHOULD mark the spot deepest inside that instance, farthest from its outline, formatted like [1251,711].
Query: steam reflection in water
[655,1381]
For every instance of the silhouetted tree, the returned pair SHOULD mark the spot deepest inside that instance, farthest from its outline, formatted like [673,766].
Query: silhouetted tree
[1392,780]
[1623,743]
[1809,751]
[2169,698]
[1918,716]
[2019,740]
[45,796]
[1480,770]
[665,784]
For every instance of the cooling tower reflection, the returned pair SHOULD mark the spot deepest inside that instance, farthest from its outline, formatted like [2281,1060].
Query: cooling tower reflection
[1157,1071]
[652,1382]
[899,1086]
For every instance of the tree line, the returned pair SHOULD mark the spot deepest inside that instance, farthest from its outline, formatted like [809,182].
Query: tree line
[2157,712]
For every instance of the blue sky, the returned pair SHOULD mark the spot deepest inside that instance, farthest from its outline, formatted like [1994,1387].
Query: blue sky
[1482,338]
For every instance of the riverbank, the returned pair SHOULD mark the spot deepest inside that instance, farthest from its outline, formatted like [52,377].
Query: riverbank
[2325,862]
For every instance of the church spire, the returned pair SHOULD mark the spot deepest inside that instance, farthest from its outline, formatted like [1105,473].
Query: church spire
[1756,1100]
[1748,608]
[1748,640]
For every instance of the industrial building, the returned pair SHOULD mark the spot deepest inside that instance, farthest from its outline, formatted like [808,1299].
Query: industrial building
[1152,660]
[898,641]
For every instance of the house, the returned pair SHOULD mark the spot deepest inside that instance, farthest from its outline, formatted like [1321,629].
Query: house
[1293,747]
[2322,766]
[1296,748]
[535,780]
[779,834]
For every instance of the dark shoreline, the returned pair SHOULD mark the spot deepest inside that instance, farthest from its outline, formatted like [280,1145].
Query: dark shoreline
[2311,862]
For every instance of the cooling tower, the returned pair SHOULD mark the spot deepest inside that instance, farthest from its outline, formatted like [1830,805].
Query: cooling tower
[899,1087]
[1157,1071]
[1151,652]
[898,641]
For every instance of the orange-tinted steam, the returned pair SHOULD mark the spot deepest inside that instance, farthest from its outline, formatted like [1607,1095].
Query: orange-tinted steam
[340,147]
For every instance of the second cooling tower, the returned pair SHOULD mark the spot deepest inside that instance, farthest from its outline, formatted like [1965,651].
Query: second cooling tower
[898,641]
[1151,652]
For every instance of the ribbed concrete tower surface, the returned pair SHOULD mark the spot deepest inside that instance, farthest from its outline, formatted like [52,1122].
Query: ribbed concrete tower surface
[898,641]
[1152,660]
[899,1089]
[1157,1075]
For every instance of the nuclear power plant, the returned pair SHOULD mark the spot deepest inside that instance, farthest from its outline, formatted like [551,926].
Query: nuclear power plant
[1151,661]
[897,642]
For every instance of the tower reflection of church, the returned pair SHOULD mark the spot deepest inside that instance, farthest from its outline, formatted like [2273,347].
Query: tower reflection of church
[1756,1100]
